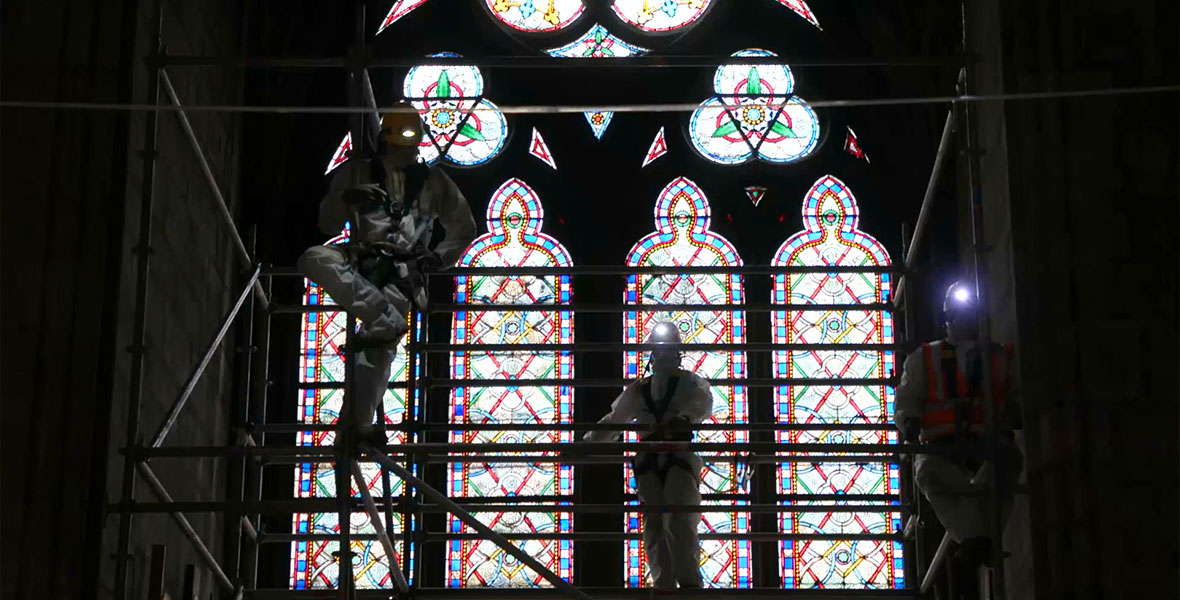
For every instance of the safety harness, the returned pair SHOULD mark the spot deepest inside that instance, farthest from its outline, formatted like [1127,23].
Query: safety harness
[375,264]
[649,462]
[954,402]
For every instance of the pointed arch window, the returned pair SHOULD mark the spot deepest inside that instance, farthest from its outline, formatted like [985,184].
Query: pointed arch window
[831,238]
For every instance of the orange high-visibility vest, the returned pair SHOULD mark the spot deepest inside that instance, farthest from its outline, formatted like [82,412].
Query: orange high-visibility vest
[952,405]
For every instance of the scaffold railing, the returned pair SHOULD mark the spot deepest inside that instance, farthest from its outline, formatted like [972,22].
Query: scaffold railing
[256,306]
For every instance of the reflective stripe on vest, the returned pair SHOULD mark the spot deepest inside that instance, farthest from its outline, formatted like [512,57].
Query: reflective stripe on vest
[945,399]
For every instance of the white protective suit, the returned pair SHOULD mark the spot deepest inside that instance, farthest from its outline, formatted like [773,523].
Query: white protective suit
[959,494]
[670,539]
[383,311]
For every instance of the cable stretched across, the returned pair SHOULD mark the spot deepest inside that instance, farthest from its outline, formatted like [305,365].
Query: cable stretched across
[579,108]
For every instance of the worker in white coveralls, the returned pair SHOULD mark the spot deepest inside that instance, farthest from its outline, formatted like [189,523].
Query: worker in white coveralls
[392,202]
[940,401]
[671,401]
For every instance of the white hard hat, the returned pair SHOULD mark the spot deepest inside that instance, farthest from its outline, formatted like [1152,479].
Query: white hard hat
[959,296]
[664,332]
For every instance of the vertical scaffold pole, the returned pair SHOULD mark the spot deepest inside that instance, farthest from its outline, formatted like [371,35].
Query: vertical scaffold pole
[143,254]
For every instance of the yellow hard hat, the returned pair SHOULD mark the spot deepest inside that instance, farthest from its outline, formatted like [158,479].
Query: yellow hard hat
[401,128]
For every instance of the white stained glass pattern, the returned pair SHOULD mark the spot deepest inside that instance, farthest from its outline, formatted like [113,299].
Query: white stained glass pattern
[661,16]
[460,123]
[535,16]
[754,114]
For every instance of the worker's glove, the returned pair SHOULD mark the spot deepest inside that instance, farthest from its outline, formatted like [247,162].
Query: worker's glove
[364,195]
[427,259]
[911,430]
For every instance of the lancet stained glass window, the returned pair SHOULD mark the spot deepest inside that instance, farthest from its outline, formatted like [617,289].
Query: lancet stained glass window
[514,239]
[831,238]
[660,16]
[313,564]
[754,114]
[682,238]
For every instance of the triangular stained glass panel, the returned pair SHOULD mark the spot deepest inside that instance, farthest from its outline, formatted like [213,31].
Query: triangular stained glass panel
[755,193]
[659,147]
[800,7]
[399,9]
[852,146]
[539,149]
[599,121]
[341,155]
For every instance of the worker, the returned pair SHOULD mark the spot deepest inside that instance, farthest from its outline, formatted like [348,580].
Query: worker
[940,401]
[670,401]
[392,202]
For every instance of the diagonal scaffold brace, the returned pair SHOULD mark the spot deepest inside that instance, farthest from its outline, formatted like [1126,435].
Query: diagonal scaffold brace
[395,569]
[472,522]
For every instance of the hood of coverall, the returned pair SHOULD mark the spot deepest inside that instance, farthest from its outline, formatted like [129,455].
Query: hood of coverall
[961,310]
[401,133]
[665,361]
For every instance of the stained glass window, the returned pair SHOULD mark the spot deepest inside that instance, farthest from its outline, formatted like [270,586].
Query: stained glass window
[313,564]
[460,123]
[536,15]
[399,9]
[682,238]
[852,146]
[831,238]
[598,43]
[514,239]
[540,149]
[800,7]
[658,148]
[754,114]
[660,16]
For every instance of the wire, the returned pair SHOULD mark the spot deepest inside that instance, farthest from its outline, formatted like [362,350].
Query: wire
[578,109]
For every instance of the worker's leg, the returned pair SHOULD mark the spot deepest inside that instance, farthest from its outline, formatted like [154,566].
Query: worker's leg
[371,375]
[655,534]
[954,499]
[681,487]
[329,267]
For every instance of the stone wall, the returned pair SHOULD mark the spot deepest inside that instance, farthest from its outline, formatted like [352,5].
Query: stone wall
[70,256]
[1081,198]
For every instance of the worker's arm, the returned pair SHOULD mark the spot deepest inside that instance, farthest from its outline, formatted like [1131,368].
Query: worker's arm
[622,410]
[911,396]
[454,214]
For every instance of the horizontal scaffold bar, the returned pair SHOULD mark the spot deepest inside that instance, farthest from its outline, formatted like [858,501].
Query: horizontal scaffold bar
[311,505]
[596,593]
[608,460]
[537,62]
[297,427]
[619,347]
[601,382]
[624,270]
[609,308]
[572,451]
[587,536]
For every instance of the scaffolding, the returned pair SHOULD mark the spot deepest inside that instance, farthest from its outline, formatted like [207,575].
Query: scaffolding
[237,573]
